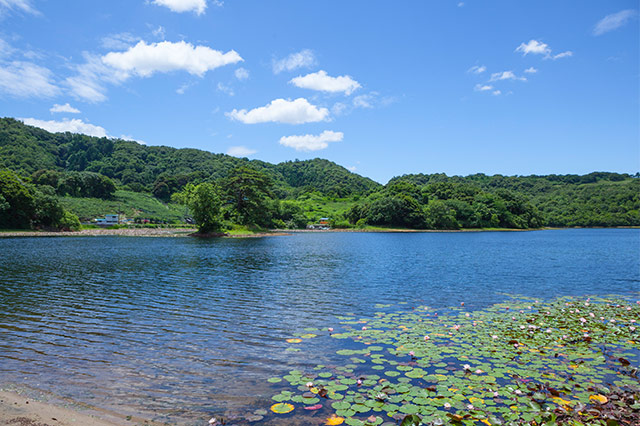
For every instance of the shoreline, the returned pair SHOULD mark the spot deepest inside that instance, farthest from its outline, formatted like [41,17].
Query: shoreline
[190,232]
[28,407]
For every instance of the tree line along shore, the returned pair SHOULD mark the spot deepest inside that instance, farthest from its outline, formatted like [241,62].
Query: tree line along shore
[59,181]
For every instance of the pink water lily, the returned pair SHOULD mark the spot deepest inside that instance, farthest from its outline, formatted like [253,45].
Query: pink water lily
[426,338]
[412,353]
[330,329]
[364,328]
[309,384]
[632,329]
[447,405]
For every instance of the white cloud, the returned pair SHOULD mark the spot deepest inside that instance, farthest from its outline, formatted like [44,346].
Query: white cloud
[225,89]
[482,87]
[505,75]
[496,92]
[477,69]
[566,54]
[145,59]
[614,21]
[73,126]
[64,108]
[241,74]
[534,47]
[352,168]
[132,139]
[182,89]
[19,5]
[531,70]
[240,151]
[180,6]
[303,59]
[325,83]
[311,142]
[298,111]
[27,80]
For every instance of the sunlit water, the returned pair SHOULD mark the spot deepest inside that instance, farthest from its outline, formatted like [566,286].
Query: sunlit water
[179,329]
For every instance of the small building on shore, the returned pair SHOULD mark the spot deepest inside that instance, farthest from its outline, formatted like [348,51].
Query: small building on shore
[108,220]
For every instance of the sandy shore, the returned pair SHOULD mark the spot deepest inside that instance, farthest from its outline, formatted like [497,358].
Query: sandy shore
[20,409]
[132,232]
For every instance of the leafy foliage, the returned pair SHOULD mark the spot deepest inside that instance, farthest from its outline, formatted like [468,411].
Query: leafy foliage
[204,203]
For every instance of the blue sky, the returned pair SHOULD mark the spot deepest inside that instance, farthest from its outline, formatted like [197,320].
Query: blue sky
[383,88]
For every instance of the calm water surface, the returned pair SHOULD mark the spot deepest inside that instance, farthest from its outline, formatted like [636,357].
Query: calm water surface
[179,329]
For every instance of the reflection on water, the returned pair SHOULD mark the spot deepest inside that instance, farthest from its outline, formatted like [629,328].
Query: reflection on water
[182,328]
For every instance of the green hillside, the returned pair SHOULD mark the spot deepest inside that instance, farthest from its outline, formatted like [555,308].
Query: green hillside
[45,177]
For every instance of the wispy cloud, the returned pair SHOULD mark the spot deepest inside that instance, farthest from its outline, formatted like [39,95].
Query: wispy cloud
[66,108]
[119,41]
[614,21]
[536,47]
[241,74]
[24,6]
[240,151]
[483,87]
[228,90]
[477,69]
[311,142]
[27,80]
[303,59]
[506,75]
[531,70]
[73,126]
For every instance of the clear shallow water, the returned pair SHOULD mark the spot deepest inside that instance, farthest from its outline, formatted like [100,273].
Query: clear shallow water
[179,329]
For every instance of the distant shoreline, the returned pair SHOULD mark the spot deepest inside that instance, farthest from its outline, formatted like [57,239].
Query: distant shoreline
[190,232]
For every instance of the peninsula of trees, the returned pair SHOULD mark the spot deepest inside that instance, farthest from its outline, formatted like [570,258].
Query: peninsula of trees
[55,180]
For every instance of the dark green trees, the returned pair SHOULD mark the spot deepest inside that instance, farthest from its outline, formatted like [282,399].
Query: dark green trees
[23,205]
[204,204]
[247,194]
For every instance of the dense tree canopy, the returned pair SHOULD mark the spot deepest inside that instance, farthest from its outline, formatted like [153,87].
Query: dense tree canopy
[293,193]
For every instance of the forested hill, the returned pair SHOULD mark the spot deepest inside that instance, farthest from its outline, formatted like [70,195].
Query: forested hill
[79,168]
[26,149]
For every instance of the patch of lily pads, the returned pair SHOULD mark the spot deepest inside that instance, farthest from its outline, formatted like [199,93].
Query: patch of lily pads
[567,361]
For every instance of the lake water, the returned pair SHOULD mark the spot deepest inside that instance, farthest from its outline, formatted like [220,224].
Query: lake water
[179,329]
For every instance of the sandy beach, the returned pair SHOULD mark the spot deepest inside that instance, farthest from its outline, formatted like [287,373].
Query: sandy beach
[22,409]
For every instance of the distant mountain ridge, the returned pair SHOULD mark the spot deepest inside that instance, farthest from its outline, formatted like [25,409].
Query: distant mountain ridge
[26,149]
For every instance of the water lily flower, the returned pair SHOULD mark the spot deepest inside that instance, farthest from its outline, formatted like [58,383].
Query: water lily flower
[212,421]
[592,315]
[513,318]
[564,336]
[330,329]
[518,392]
[359,382]
[461,303]
[470,406]
[478,371]
[628,308]
[309,384]
[586,334]
[632,329]
[466,367]
[494,336]
[381,396]
[528,307]
[412,353]
[586,304]
[364,328]
[612,320]
[549,330]
[582,320]
[495,394]
[467,314]
[577,311]
[456,327]
[447,405]
[522,327]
